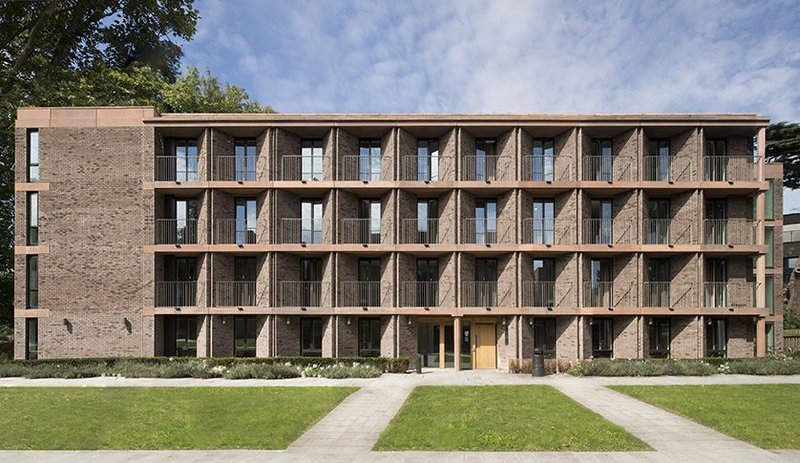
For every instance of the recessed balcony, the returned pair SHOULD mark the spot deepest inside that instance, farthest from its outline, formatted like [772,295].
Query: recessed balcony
[176,231]
[730,168]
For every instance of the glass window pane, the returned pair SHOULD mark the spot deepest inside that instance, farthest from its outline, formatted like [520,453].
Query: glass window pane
[769,240]
[770,293]
[770,201]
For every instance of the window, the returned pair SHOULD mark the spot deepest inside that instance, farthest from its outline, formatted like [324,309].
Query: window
[33,219]
[770,338]
[186,336]
[485,159]
[658,282]
[310,160]
[427,221]
[311,218]
[310,282]
[369,337]
[311,337]
[31,338]
[180,226]
[369,159]
[32,269]
[659,337]
[544,276]
[428,160]
[658,221]
[716,221]
[658,160]
[245,221]
[244,336]
[716,337]
[427,284]
[369,230]
[716,164]
[769,201]
[543,160]
[543,222]
[485,283]
[769,293]
[601,162]
[245,158]
[544,336]
[183,159]
[602,337]
[244,281]
[485,221]
[600,226]
[769,240]
[601,281]
[716,285]
[33,155]
[369,277]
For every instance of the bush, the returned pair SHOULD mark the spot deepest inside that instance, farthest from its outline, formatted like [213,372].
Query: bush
[262,371]
[551,366]
[781,365]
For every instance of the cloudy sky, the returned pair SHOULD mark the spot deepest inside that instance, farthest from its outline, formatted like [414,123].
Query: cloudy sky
[507,56]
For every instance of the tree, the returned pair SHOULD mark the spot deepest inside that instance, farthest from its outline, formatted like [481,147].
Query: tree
[783,145]
[194,92]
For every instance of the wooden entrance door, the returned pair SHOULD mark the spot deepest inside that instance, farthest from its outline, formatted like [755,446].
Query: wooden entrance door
[485,345]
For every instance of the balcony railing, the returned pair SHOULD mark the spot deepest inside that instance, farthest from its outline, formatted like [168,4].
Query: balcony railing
[791,236]
[480,168]
[234,231]
[176,231]
[538,293]
[667,169]
[303,168]
[177,293]
[608,231]
[300,231]
[668,231]
[667,294]
[362,168]
[730,231]
[303,294]
[543,231]
[730,168]
[547,168]
[427,169]
[176,169]
[729,294]
[235,168]
[359,294]
[425,231]
[360,231]
[235,294]
[425,293]
[487,231]
[608,169]
[479,294]
[608,294]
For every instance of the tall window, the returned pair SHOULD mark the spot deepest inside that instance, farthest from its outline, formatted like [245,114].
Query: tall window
[244,277]
[245,221]
[427,284]
[659,336]
[544,276]
[180,289]
[311,282]
[369,277]
[601,283]
[244,336]
[769,240]
[658,160]
[427,221]
[769,292]
[544,336]
[658,283]
[33,155]
[602,337]
[369,337]
[716,286]
[245,159]
[543,221]
[369,159]
[31,338]
[770,338]
[543,160]
[658,224]
[370,227]
[311,337]
[601,162]
[600,226]
[486,283]
[485,159]
[769,201]
[32,270]
[184,159]
[180,226]
[716,221]
[186,336]
[716,337]
[428,160]
[716,166]
[311,218]
[33,219]
[485,221]
[311,159]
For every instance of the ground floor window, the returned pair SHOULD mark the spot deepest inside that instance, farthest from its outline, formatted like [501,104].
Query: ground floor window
[186,336]
[659,337]
[244,336]
[716,337]
[369,337]
[602,337]
[544,336]
[311,337]
[770,338]
[31,338]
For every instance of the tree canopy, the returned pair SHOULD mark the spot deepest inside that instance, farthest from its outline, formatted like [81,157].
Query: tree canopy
[783,145]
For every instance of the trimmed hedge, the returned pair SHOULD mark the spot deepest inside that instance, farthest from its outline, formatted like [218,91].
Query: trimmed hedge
[781,365]
[212,367]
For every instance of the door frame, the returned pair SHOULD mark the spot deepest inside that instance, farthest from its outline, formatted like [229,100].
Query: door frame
[474,329]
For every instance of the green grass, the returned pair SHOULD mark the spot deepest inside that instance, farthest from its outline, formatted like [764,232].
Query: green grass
[161,418]
[500,418]
[766,415]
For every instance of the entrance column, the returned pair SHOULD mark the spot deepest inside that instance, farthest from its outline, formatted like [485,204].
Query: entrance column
[457,343]
[441,345]
[761,337]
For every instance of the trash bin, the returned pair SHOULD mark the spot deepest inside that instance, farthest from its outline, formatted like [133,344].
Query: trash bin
[419,364]
[538,363]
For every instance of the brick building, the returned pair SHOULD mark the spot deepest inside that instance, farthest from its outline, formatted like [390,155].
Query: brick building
[470,239]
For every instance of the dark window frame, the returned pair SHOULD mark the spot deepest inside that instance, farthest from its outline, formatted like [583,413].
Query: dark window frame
[367,341]
[30,165]
[316,326]
[31,340]
[32,231]
[245,163]
[601,347]
[32,281]
[247,346]
[714,348]
[543,165]
[545,336]
[655,346]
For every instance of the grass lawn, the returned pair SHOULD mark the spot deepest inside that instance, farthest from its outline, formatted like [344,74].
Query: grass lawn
[161,418]
[500,418]
[766,415]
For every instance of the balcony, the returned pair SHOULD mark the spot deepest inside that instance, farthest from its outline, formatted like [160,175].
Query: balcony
[608,169]
[300,231]
[303,168]
[360,231]
[667,294]
[426,169]
[487,231]
[176,231]
[547,168]
[176,169]
[730,168]
[607,294]
[234,231]
[362,168]
[668,231]
[667,169]
[606,231]
[480,168]
[547,232]
[479,294]
[360,294]
[727,295]
[177,293]
[235,294]
[303,294]
[538,293]
[424,231]
[235,168]
[425,293]
[730,232]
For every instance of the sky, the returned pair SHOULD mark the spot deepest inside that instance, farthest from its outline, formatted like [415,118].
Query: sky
[498,56]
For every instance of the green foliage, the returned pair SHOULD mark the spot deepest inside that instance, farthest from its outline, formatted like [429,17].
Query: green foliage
[791,321]
[783,145]
[779,365]
[262,371]
[204,93]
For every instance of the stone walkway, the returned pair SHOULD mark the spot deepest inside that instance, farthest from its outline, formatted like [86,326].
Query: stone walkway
[352,428]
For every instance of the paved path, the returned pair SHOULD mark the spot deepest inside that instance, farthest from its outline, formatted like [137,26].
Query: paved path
[352,428]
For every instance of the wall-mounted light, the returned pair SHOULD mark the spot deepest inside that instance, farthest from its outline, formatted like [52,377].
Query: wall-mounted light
[530,321]
[348,320]
[288,320]
[128,325]
[224,319]
[591,321]
[650,322]
[68,324]
[408,320]
[504,321]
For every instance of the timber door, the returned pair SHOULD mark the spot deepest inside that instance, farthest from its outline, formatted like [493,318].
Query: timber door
[485,345]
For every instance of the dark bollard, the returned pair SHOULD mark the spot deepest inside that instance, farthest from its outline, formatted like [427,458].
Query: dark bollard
[538,363]
[419,364]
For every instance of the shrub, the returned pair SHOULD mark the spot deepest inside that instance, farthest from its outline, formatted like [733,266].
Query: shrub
[262,371]
[781,365]
[551,366]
